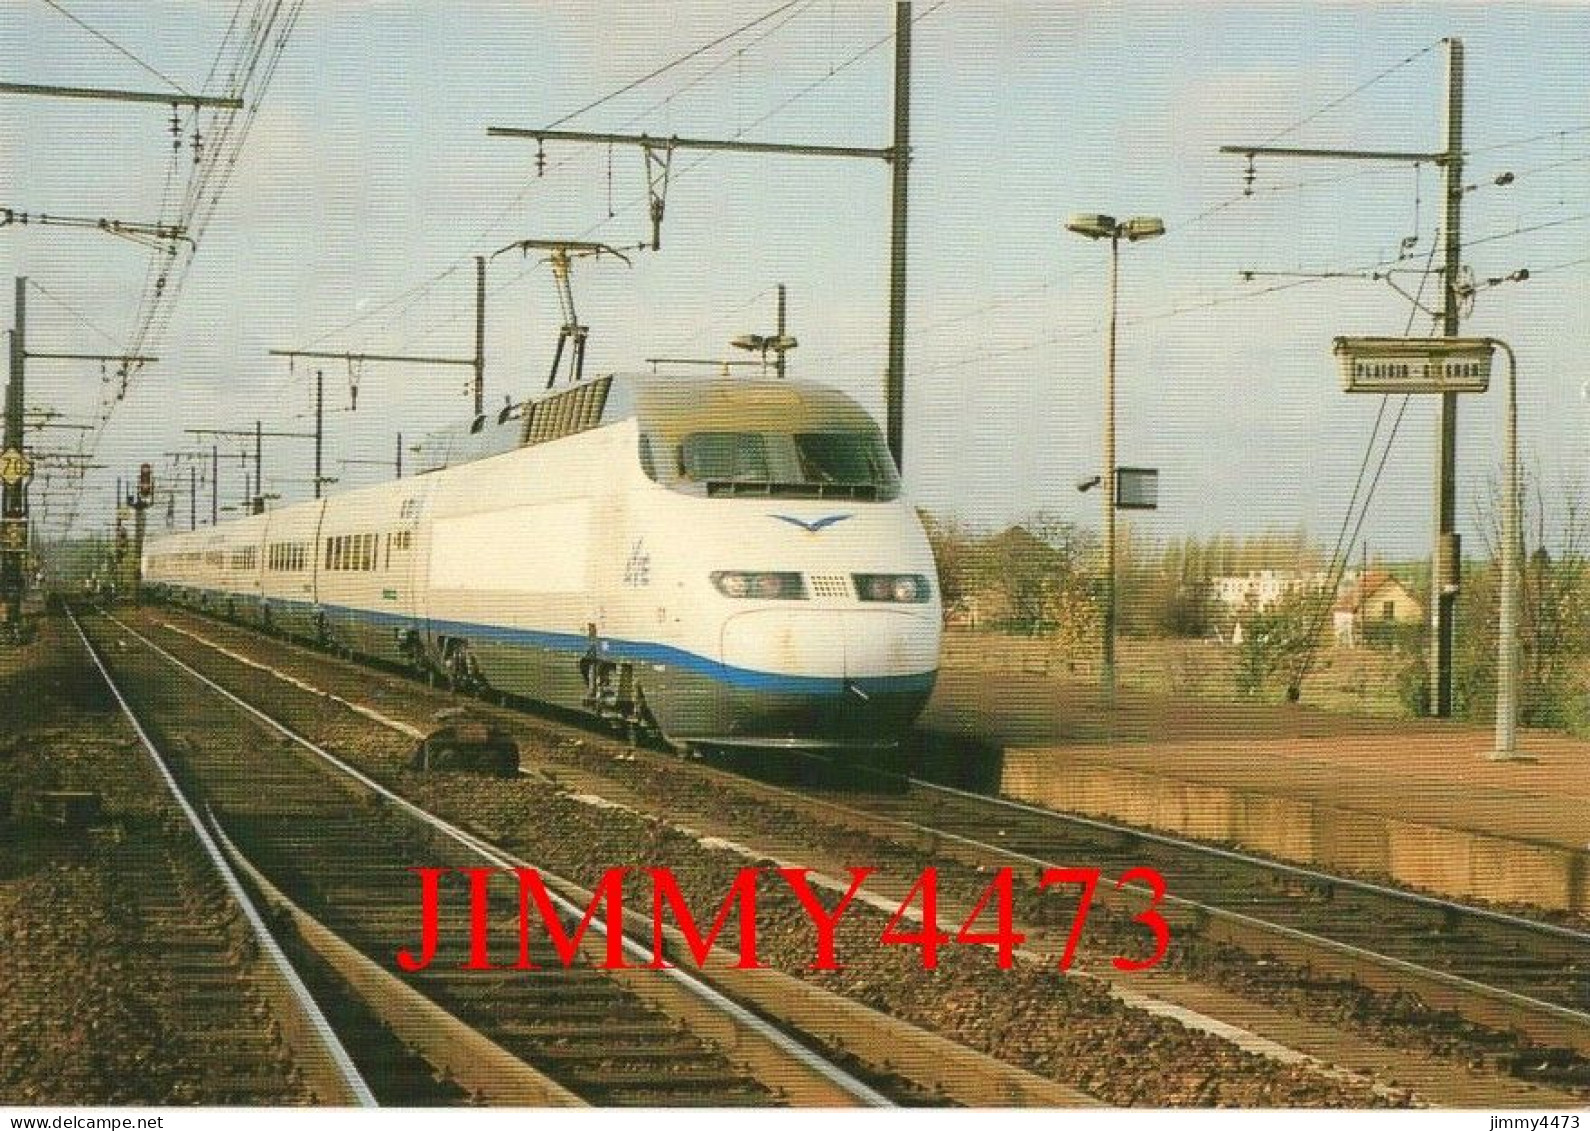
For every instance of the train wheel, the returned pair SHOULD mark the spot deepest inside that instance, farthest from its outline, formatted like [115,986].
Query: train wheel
[462,673]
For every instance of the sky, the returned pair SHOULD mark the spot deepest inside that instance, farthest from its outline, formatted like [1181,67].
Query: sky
[367,183]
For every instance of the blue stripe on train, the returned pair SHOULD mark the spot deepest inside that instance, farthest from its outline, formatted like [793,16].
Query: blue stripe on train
[636,651]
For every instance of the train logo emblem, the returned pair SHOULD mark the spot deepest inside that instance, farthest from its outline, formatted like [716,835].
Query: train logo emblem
[816,526]
[637,570]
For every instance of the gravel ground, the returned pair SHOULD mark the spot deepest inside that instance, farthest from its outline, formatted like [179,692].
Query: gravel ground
[90,1010]
[1067,1028]
[1396,1020]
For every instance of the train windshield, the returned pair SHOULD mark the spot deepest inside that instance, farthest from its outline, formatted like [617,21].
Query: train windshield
[817,464]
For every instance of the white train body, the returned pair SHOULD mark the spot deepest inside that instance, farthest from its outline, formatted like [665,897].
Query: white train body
[728,561]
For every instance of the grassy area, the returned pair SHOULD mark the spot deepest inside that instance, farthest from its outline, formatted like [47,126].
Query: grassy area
[1357,681]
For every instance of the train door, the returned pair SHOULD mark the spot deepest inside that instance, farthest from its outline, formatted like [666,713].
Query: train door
[410,550]
[316,627]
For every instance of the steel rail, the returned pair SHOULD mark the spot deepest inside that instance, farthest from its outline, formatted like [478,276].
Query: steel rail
[1253,922]
[1459,983]
[333,1045]
[1181,844]
[500,859]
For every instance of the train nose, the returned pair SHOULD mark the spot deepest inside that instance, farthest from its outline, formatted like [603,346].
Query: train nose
[852,645]
[840,675]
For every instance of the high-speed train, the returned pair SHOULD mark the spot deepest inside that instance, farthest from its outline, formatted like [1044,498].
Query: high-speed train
[726,562]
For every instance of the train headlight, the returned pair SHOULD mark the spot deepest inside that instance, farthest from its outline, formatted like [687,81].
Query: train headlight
[902,588]
[764,585]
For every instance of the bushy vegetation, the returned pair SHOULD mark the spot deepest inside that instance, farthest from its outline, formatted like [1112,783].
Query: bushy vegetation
[1041,578]
[1277,644]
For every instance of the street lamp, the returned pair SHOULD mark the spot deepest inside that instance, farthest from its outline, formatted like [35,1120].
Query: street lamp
[764,344]
[1098,227]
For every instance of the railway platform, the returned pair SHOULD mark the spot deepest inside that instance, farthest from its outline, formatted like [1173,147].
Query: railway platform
[1416,801]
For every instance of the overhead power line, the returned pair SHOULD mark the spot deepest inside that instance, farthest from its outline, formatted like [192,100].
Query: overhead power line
[1357,90]
[107,40]
[666,67]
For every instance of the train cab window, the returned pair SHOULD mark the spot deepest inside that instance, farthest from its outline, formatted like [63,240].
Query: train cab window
[843,457]
[850,464]
[731,456]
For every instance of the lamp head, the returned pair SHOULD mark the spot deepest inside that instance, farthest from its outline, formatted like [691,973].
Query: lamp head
[1143,228]
[1094,225]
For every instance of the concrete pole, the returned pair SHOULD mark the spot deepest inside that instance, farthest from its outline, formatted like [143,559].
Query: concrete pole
[256,502]
[14,501]
[1448,550]
[1507,630]
[780,369]
[894,381]
[480,334]
[1107,667]
[320,424]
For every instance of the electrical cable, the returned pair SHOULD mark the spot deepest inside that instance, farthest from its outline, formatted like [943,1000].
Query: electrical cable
[103,38]
[1357,90]
[1339,556]
[666,67]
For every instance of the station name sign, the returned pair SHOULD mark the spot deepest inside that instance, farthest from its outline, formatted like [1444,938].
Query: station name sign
[1414,365]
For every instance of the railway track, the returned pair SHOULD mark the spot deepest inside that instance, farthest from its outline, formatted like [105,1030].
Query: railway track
[170,889]
[1503,970]
[332,846]
[1487,967]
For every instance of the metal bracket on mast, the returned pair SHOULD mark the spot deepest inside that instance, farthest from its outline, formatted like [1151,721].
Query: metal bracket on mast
[657,169]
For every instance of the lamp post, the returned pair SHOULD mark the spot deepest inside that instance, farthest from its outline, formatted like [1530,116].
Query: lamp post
[778,344]
[1096,227]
